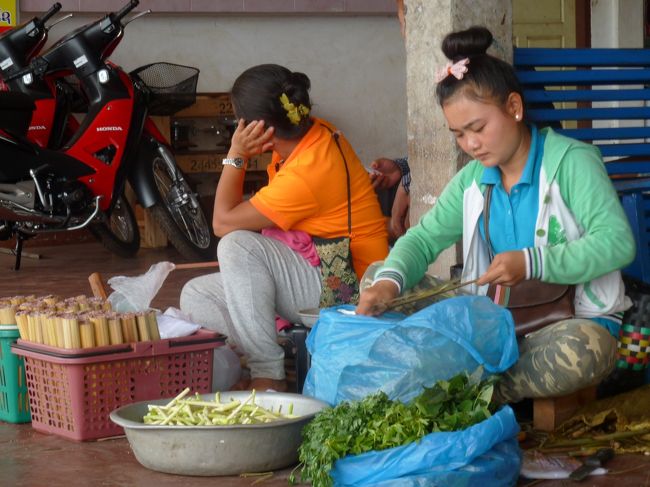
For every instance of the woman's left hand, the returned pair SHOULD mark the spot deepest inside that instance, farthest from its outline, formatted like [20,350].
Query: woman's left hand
[507,269]
[250,140]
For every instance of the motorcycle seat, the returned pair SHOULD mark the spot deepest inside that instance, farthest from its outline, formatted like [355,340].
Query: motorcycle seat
[15,112]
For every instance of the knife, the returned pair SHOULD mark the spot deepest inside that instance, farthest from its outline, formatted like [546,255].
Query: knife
[591,463]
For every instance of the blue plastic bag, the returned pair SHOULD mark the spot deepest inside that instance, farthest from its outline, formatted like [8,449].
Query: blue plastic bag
[354,356]
[485,454]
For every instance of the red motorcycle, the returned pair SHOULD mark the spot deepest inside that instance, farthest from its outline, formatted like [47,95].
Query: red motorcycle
[82,184]
[53,97]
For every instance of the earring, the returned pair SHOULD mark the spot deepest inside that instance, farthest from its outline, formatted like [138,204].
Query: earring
[517,117]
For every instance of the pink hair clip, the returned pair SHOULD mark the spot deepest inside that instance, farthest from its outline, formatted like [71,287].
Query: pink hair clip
[457,70]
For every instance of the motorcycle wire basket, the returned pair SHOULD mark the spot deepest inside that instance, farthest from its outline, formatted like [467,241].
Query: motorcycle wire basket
[169,87]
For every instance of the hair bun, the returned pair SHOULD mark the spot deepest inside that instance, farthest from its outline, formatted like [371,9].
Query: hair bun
[466,43]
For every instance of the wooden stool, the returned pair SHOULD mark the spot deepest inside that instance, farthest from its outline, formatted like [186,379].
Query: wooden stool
[549,412]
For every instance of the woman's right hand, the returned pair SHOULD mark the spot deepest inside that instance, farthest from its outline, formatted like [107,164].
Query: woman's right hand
[372,301]
[250,140]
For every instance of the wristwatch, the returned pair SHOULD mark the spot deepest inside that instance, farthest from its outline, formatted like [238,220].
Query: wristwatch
[237,162]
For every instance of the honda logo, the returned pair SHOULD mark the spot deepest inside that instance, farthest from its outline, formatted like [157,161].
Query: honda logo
[109,129]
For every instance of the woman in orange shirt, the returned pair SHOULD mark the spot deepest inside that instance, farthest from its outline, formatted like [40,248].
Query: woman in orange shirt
[317,188]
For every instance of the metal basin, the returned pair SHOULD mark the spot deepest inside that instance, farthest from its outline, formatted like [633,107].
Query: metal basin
[309,317]
[219,450]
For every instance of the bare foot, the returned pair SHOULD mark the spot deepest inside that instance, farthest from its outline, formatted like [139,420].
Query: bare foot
[241,385]
[261,384]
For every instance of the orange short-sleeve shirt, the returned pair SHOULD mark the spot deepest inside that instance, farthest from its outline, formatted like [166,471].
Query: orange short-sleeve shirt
[308,192]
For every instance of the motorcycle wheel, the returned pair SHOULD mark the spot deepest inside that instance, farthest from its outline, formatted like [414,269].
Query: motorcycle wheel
[120,233]
[178,210]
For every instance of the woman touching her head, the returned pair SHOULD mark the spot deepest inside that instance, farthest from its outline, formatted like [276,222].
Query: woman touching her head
[317,188]
[554,216]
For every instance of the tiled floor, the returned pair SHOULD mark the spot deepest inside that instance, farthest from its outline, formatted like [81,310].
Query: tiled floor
[32,459]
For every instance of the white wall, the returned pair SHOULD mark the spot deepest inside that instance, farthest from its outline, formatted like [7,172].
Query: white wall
[356,64]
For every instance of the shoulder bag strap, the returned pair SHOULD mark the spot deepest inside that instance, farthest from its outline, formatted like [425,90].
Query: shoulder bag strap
[487,198]
[335,135]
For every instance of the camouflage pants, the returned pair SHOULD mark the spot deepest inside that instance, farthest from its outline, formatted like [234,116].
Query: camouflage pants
[559,359]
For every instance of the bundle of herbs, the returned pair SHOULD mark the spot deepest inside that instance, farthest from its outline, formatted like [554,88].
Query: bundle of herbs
[378,423]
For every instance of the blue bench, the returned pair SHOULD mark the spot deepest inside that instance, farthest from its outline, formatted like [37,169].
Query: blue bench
[587,79]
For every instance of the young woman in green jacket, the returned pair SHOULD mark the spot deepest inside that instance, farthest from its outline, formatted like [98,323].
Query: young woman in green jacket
[554,216]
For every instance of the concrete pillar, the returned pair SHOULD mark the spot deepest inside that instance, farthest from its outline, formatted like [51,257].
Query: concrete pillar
[434,157]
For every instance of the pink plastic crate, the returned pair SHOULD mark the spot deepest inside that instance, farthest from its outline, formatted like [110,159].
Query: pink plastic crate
[72,392]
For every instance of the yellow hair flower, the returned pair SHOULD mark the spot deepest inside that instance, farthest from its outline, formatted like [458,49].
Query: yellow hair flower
[294,114]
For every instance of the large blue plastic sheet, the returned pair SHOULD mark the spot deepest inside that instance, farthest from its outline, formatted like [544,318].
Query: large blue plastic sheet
[486,454]
[354,356]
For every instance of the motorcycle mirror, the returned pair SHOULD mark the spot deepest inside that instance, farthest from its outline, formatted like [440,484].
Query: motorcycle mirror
[136,16]
[59,20]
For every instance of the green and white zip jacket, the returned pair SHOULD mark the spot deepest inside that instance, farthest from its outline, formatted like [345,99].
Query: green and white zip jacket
[582,235]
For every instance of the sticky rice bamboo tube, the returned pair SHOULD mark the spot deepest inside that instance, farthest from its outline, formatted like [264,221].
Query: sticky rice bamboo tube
[71,306]
[96,304]
[57,323]
[143,327]
[129,327]
[48,335]
[100,324]
[17,300]
[71,334]
[7,313]
[152,321]
[23,325]
[107,306]
[50,324]
[115,329]
[35,330]
[87,334]
[50,299]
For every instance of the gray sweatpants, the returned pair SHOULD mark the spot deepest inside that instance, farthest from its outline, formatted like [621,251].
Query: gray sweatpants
[259,277]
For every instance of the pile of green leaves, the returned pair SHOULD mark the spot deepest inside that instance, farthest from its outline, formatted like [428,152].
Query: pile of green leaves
[378,423]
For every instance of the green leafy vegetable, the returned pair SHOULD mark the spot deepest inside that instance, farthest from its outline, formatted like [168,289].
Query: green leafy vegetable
[378,423]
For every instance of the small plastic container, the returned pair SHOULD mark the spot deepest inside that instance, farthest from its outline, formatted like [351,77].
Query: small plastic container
[14,400]
[72,392]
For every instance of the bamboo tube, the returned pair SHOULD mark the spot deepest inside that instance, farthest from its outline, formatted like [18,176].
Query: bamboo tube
[107,306]
[152,321]
[23,325]
[115,329]
[143,327]
[100,324]
[71,306]
[87,334]
[34,324]
[57,320]
[18,300]
[42,318]
[51,299]
[96,304]
[129,327]
[7,313]
[71,334]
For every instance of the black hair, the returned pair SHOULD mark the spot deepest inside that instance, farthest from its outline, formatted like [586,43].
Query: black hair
[256,96]
[487,77]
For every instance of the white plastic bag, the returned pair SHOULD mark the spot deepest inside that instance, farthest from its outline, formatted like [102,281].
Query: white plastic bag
[174,323]
[136,293]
